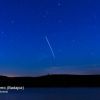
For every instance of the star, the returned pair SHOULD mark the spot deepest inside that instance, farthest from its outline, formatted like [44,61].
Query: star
[73,40]
[58,4]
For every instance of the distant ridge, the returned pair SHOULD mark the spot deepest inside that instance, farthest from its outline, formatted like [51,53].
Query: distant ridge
[53,80]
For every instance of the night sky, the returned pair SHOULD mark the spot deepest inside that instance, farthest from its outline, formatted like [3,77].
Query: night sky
[38,37]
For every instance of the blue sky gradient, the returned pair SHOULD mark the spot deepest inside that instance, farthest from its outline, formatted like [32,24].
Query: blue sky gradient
[71,26]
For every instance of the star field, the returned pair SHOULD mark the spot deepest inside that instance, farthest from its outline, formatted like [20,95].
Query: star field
[71,27]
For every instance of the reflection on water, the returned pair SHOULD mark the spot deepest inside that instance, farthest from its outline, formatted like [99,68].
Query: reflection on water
[52,94]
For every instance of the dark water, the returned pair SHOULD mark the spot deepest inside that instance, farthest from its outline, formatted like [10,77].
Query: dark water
[52,94]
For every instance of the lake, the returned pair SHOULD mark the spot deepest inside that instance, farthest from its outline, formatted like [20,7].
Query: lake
[52,94]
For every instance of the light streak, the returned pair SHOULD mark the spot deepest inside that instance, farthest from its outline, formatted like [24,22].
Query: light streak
[50,46]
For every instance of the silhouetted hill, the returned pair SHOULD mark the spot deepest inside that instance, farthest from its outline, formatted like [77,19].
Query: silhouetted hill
[3,77]
[54,80]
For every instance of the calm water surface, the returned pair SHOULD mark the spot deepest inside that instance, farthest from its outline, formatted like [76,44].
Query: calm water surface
[52,94]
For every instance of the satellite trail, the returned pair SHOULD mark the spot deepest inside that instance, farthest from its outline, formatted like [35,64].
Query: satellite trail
[50,46]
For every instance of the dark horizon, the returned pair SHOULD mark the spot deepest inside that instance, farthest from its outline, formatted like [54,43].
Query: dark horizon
[51,75]
[54,80]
